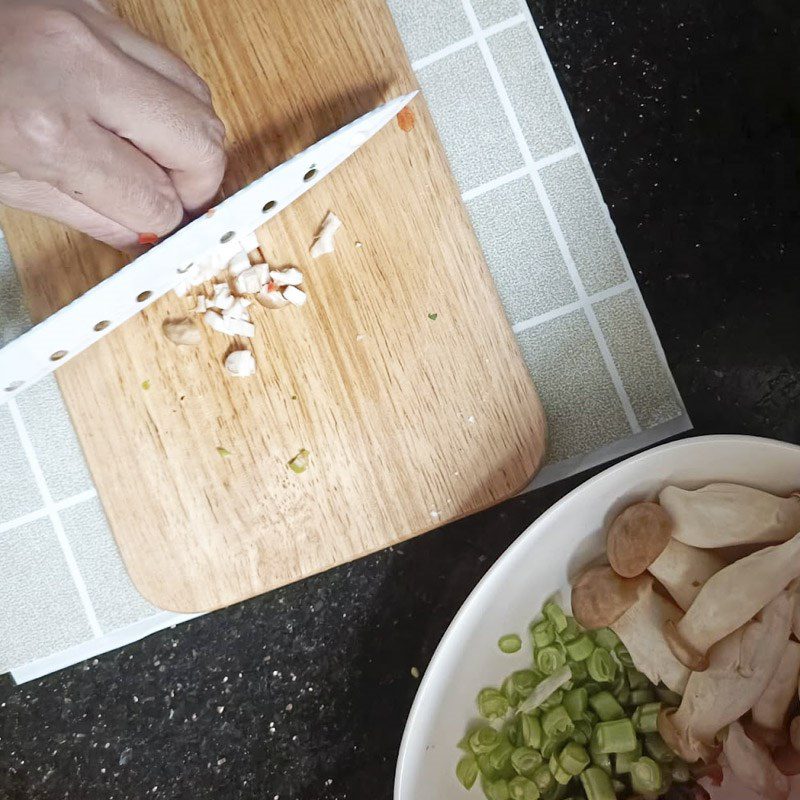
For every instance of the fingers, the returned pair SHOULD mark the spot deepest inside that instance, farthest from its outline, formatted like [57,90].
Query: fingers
[40,198]
[168,123]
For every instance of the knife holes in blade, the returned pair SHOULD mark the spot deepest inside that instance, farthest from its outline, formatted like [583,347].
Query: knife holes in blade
[102,325]
[13,386]
[268,206]
[226,237]
[58,355]
[184,270]
[310,174]
[142,296]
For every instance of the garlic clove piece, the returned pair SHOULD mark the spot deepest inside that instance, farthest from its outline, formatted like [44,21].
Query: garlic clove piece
[240,363]
[291,276]
[182,332]
[323,241]
[295,296]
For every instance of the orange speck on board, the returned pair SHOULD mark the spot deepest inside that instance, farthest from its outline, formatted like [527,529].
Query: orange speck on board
[406,119]
[147,238]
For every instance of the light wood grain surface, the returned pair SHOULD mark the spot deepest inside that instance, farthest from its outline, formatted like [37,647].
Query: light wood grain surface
[410,422]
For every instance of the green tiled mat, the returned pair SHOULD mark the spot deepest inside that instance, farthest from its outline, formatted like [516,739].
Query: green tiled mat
[563,277]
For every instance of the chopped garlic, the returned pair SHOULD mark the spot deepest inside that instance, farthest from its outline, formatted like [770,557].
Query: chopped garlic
[295,296]
[238,310]
[182,332]
[229,325]
[249,281]
[286,277]
[249,242]
[272,299]
[222,299]
[239,263]
[240,363]
[201,304]
[323,241]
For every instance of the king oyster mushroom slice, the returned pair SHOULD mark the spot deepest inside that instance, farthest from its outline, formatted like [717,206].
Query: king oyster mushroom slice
[640,539]
[739,669]
[752,764]
[630,607]
[730,598]
[771,709]
[726,514]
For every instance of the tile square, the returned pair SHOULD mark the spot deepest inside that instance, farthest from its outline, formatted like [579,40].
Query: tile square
[583,409]
[490,12]
[115,599]
[41,609]
[18,492]
[54,439]
[521,251]
[531,91]
[583,219]
[426,26]
[644,375]
[14,318]
[471,123]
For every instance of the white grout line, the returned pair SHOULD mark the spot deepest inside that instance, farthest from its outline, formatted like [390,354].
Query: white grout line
[549,211]
[68,502]
[52,512]
[561,311]
[462,44]
[23,520]
[522,172]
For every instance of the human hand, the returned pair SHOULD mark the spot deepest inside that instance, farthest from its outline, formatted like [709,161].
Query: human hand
[101,128]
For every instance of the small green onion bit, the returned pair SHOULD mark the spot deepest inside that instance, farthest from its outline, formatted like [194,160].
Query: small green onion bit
[511,643]
[544,779]
[646,776]
[556,616]
[597,784]
[556,723]
[606,638]
[615,736]
[520,788]
[543,633]
[496,790]
[484,740]
[492,703]
[645,718]
[606,706]
[602,668]
[549,659]
[467,771]
[525,761]
[530,731]
[500,758]
[576,701]
[573,759]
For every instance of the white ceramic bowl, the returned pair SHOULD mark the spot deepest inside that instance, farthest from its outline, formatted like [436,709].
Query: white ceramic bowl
[541,562]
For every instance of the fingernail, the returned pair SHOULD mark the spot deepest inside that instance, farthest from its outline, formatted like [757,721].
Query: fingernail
[148,238]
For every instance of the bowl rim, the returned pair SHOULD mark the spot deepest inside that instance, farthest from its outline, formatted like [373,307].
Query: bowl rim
[531,531]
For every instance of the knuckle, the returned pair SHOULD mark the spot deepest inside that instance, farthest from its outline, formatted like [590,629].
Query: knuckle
[44,130]
[163,207]
[53,22]
[200,87]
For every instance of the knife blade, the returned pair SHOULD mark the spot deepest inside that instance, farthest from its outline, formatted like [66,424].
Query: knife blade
[71,330]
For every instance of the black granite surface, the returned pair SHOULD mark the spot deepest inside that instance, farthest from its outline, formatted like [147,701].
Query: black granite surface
[690,115]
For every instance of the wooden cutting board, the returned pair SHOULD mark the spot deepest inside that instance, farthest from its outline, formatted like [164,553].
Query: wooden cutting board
[411,421]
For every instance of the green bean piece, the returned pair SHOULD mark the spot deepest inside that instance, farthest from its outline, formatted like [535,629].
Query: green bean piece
[602,760]
[641,697]
[551,744]
[556,723]
[525,761]
[573,758]
[615,736]
[580,671]
[484,740]
[549,659]
[606,706]
[556,616]
[623,761]
[638,680]
[571,632]
[496,790]
[623,656]
[554,700]
[520,788]
[597,784]
[562,776]
[467,771]
[646,776]
[580,648]
[492,703]
[645,718]
[606,638]
[583,731]
[602,668]
[592,687]
[530,731]
[543,634]
[576,701]
[543,778]
[510,643]
[500,759]
[658,749]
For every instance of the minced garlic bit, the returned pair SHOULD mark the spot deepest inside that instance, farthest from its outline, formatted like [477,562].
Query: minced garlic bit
[271,298]
[323,241]
[240,364]
[291,276]
[295,296]
[222,299]
[239,263]
[182,332]
[201,306]
[249,281]
[300,462]
[229,325]
[238,309]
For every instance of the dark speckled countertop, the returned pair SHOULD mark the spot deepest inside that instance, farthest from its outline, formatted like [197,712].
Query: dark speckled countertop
[690,114]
